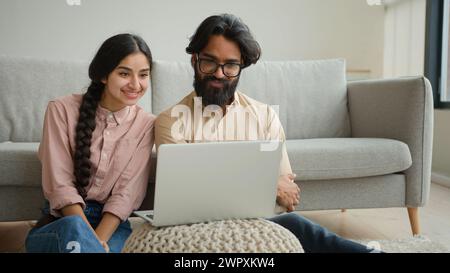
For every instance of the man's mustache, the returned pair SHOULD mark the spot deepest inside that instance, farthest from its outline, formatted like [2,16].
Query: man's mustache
[212,78]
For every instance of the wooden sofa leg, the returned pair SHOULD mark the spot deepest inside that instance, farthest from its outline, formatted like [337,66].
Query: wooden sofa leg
[343,210]
[413,214]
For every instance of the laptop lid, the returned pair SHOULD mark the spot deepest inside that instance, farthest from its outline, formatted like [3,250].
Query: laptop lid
[214,181]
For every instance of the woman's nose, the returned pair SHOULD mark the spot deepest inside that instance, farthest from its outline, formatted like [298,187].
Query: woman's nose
[134,83]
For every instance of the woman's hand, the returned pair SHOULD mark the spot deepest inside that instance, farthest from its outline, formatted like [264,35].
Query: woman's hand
[105,246]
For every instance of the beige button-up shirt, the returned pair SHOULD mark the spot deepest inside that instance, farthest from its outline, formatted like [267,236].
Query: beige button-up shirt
[245,119]
[120,156]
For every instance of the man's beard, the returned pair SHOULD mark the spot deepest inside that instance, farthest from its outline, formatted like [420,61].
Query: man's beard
[211,95]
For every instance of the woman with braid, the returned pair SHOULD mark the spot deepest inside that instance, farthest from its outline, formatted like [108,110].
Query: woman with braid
[95,154]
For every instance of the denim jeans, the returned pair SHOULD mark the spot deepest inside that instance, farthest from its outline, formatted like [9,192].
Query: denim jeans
[317,239]
[71,234]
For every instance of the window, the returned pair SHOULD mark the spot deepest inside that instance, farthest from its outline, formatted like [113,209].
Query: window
[437,52]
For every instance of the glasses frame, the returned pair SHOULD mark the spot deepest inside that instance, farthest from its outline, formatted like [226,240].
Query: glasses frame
[222,66]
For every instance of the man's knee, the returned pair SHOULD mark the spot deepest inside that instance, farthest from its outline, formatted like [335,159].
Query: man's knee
[295,223]
[288,219]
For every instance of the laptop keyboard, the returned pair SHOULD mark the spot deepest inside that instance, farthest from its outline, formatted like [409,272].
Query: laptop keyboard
[150,215]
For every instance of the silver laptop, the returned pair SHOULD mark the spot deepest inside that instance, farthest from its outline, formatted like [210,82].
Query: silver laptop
[203,182]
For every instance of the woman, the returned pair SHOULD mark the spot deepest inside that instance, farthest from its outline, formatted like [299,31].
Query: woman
[95,154]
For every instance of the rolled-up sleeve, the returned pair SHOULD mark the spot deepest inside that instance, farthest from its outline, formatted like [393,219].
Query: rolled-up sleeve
[130,190]
[57,163]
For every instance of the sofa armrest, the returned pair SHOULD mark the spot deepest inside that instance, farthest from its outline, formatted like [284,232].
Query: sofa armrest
[400,109]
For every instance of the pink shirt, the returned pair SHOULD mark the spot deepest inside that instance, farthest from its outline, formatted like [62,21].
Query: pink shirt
[120,157]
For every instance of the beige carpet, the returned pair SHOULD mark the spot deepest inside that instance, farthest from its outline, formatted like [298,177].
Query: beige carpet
[417,244]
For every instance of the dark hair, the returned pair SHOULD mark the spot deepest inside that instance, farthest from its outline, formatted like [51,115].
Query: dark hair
[108,57]
[232,28]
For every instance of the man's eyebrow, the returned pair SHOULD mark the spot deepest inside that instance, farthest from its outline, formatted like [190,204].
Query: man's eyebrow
[129,69]
[215,58]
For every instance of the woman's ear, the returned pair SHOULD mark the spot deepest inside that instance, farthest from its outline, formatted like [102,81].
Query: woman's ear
[103,81]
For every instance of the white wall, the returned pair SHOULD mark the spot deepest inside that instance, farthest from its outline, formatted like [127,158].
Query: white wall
[404,43]
[286,29]
[405,55]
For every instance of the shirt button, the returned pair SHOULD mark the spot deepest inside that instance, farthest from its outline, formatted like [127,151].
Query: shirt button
[105,155]
[107,133]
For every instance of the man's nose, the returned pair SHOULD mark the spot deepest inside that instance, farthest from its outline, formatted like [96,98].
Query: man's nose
[219,73]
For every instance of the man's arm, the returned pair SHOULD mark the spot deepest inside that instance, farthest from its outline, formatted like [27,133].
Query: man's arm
[288,193]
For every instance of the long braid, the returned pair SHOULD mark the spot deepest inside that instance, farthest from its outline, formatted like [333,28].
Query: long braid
[85,128]
[108,57]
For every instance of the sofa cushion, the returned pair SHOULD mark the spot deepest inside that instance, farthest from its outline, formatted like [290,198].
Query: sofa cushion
[318,159]
[27,84]
[171,81]
[19,164]
[312,95]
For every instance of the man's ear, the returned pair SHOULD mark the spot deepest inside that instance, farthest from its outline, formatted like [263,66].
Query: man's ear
[193,60]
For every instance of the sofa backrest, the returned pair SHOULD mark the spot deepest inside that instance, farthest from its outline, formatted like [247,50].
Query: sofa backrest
[27,85]
[311,95]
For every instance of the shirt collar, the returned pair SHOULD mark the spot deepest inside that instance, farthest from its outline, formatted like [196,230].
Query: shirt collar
[117,117]
[236,101]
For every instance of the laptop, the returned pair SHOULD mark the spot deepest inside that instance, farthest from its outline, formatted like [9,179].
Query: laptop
[203,182]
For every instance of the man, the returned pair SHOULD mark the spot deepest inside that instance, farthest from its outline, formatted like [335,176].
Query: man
[220,48]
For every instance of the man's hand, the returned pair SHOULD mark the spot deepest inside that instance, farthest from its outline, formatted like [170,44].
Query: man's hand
[288,193]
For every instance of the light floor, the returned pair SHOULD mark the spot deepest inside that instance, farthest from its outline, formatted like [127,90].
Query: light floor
[381,224]
[391,223]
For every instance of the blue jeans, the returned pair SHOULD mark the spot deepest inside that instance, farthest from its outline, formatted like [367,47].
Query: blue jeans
[72,234]
[316,239]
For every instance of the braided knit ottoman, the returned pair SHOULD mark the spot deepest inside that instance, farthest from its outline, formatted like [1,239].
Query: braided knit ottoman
[227,236]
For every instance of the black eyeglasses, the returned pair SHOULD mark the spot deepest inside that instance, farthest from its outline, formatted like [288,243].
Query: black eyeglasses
[208,66]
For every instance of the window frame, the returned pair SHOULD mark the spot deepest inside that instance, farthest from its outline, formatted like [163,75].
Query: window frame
[433,50]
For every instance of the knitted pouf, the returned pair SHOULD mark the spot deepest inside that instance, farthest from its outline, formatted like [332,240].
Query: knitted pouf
[240,236]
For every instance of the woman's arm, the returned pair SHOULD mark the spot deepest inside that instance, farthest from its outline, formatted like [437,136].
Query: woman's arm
[107,226]
[76,209]
[57,162]
[128,192]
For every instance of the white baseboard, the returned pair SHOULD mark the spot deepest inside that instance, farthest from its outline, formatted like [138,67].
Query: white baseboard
[440,179]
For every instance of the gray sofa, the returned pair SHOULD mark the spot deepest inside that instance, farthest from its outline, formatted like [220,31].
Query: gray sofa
[364,144]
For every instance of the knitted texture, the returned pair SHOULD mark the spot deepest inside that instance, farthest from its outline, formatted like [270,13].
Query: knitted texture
[227,236]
